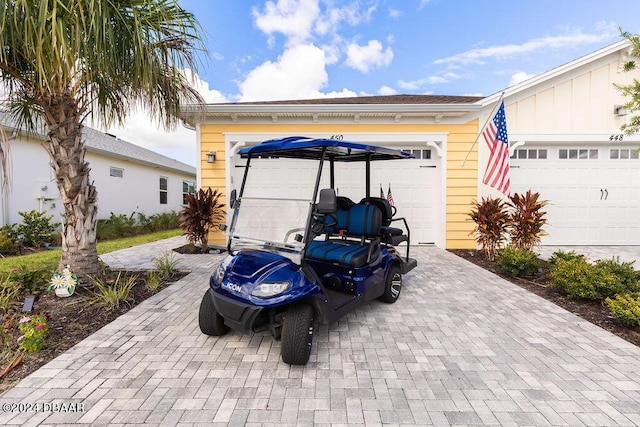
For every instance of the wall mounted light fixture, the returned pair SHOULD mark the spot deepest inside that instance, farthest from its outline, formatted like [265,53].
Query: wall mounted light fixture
[211,157]
[620,110]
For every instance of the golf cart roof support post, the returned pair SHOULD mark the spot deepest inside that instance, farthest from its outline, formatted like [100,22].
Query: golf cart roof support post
[237,206]
[244,176]
[307,233]
[368,175]
[332,172]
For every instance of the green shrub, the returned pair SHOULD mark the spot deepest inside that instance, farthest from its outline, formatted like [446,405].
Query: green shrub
[626,308]
[517,261]
[565,256]
[34,231]
[626,278]
[575,277]
[7,245]
[579,279]
[118,226]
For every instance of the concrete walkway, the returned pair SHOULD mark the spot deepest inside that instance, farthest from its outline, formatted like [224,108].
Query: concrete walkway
[460,347]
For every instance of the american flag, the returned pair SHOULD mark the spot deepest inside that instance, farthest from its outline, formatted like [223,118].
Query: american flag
[495,135]
[381,192]
[389,196]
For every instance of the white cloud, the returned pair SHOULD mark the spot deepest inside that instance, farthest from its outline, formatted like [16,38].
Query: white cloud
[386,90]
[364,58]
[502,52]
[394,13]
[297,74]
[443,78]
[293,18]
[519,77]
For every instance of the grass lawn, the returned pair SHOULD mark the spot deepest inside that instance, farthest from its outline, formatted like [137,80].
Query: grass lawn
[50,259]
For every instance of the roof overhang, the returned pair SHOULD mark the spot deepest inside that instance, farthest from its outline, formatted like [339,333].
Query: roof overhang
[200,114]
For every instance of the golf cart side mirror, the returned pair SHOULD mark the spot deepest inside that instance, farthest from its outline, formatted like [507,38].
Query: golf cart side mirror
[328,202]
[232,199]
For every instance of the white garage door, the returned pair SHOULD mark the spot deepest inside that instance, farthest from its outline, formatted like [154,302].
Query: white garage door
[593,191]
[414,185]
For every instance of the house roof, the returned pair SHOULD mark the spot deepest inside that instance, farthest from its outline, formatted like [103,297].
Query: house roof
[113,146]
[110,145]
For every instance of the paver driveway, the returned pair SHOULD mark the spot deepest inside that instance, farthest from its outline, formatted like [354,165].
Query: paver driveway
[461,346]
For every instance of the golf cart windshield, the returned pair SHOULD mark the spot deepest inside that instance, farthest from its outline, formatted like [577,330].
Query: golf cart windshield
[275,216]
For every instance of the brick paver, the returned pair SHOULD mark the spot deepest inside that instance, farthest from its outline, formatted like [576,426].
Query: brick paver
[460,347]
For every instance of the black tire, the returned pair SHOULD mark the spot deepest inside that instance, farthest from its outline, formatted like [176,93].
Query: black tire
[297,334]
[210,321]
[392,285]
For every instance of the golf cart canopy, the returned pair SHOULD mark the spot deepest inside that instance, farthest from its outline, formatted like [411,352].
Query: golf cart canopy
[300,147]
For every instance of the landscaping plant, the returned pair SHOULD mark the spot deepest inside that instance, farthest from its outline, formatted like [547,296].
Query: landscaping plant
[152,281]
[518,262]
[526,219]
[111,295]
[626,308]
[202,213]
[8,292]
[166,265]
[492,219]
[34,231]
[564,256]
[577,278]
[34,329]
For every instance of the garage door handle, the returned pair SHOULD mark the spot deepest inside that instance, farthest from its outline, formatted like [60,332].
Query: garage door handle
[427,166]
[606,194]
[601,193]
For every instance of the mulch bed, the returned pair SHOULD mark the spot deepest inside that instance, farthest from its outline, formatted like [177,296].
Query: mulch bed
[72,320]
[540,284]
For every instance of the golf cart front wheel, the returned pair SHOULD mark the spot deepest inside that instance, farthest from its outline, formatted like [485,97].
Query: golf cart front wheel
[210,321]
[392,285]
[297,334]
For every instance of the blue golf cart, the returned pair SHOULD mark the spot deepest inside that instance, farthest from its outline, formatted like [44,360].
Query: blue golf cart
[300,254]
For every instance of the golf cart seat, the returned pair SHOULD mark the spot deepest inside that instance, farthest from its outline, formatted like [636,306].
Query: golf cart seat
[390,235]
[361,221]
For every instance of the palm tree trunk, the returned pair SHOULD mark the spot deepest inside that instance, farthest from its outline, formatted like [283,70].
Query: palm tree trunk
[78,194]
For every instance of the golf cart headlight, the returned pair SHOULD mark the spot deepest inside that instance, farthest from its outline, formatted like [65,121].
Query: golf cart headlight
[218,275]
[265,290]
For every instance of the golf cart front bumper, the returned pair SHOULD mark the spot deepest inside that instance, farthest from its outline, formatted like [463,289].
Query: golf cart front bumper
[237,315]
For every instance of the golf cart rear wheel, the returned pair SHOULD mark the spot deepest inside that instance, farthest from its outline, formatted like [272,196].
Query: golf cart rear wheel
[210,321]
[392,285]
[297,334]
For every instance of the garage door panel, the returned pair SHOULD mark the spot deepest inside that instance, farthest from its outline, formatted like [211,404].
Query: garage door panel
[593,200]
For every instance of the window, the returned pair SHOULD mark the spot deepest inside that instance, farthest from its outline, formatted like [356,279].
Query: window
[419,154]
[624,153]
[531,153]
[188,187]
[578,154]
[116,172]
[164,185]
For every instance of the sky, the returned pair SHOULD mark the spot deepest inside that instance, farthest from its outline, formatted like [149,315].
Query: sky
[301,49]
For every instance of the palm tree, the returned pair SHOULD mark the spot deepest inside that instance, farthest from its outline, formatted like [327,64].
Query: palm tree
[62,61]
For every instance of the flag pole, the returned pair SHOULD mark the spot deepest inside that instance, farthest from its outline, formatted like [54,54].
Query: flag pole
[493,112]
